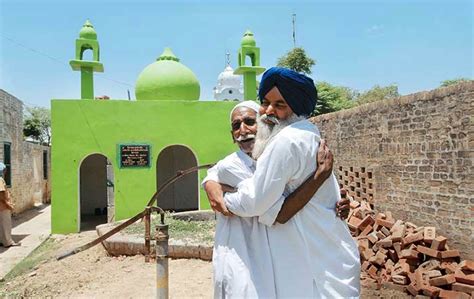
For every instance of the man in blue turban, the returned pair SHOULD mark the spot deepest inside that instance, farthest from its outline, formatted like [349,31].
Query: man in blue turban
[313,254]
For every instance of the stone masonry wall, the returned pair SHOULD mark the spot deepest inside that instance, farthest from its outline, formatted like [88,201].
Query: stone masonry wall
[412,156]
[27,183]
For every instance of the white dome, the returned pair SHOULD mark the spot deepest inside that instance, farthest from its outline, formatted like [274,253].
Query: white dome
[229,86]
[228,79]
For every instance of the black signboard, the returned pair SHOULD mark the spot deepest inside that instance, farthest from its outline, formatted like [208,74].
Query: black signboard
[134,155]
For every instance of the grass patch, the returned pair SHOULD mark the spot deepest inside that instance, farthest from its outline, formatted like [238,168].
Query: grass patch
[198,231]
[37,256]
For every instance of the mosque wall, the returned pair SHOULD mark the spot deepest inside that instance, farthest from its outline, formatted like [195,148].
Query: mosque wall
[412,156]
[28,184]
[84,127]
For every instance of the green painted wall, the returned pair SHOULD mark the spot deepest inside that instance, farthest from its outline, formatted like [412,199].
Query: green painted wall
[84,127]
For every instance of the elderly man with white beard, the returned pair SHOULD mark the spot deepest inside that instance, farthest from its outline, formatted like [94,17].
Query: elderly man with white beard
[238,271]
[313,254]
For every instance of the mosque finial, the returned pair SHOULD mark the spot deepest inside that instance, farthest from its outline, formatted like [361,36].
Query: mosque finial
[227,57]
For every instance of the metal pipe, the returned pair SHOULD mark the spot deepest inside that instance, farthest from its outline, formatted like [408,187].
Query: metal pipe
[147,234]
[162,275]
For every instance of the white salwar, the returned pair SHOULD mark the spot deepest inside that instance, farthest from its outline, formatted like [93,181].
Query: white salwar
[241,256]
[313,254]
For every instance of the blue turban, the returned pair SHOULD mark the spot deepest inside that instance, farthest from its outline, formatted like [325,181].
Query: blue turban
[297,89]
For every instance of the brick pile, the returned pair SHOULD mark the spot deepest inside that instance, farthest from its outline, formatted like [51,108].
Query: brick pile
[408,257]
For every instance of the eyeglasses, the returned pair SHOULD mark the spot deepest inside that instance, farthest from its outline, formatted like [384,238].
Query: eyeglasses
[247,121]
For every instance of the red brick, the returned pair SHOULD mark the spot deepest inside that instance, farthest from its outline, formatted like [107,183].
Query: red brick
[462,278]
[443,280]
[429,234]
[412,238]
[430,291]
[467,265]
[379,258]
[354,204]
[401,269]
[429,265]
[398,248]
[366,231]
[400,279]
[388,216]
[387,242]
[365,265]
[368,220]
[372,272]
[413,289]
[387,223]
[380,235]
[385,231]
[372,237]
[431,274]
[449,267]
[453,295]
[428,251]
[367,254]
[409,254]
[449,254]
[419,279]
[462,287]
[438,243]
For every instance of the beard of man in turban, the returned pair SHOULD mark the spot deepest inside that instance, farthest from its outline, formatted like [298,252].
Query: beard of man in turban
[275,115]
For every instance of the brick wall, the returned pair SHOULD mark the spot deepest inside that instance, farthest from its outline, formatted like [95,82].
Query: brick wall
[418,151]
[27,183]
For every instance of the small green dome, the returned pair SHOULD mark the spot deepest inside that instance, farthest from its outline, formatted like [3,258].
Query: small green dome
[248,39]
[167,79]
[87,31]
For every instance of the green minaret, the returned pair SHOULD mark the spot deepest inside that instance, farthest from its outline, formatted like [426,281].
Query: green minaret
[87,41]
[249,48]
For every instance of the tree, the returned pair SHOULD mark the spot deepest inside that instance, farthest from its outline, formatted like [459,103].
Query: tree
[37,124]
[378,93]
[297,60]
[333,98]
[454,81]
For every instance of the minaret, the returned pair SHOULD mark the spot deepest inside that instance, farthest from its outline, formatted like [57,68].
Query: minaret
[249,48]
[87,41]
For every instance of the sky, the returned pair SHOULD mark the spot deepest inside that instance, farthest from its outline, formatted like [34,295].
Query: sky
[415,44]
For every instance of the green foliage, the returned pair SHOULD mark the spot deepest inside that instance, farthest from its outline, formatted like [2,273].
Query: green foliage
[37,124]
[454,81]
[297,60]
[378,93]
[333,98]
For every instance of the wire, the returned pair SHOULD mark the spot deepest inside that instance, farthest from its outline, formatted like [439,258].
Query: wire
[16,43]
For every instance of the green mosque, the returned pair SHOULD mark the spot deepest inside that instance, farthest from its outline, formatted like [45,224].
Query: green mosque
[110,156]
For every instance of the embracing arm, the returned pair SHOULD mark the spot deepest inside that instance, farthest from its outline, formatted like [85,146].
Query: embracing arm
[256,195]
[303,194]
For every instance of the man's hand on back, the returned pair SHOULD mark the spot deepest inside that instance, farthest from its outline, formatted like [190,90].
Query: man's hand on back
[343,206]
[324,161]
[215,192]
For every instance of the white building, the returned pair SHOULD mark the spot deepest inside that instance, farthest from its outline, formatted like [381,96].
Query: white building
[229,86]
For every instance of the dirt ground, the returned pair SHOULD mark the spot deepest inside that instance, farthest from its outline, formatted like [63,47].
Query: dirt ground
[93,274]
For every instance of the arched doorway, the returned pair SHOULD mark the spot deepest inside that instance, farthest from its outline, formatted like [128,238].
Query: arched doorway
[183,195]
[96,187]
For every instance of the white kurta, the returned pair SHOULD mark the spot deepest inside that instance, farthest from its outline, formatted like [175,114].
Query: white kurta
[313,254]
[241,257]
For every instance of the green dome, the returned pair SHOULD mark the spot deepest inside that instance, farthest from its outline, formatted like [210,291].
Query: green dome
[248,39]
[167,79]
[87,31]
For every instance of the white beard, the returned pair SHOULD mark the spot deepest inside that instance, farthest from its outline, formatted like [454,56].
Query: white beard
[266,132]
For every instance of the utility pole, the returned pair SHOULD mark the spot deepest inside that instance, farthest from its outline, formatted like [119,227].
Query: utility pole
[294,31]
